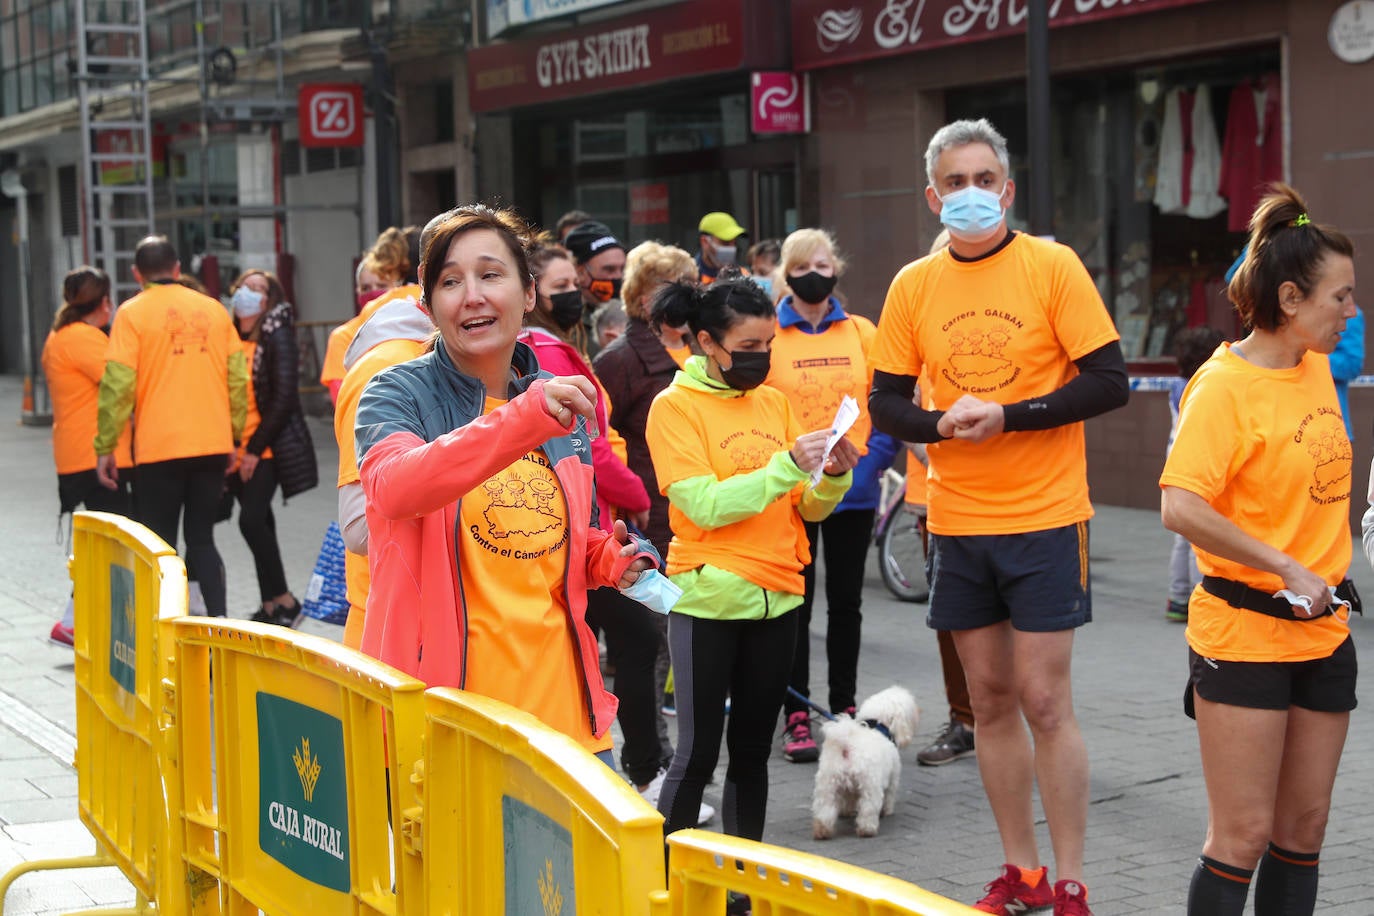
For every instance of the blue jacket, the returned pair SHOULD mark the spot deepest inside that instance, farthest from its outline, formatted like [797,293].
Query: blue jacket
[866,488]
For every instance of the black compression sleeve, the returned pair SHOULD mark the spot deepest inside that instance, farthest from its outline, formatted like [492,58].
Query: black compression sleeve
[1101,385]
[889,404]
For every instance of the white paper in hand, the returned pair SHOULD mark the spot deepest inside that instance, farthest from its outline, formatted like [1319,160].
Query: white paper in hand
[845,416]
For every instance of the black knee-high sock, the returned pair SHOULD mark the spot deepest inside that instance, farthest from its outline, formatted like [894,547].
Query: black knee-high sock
[1286,883]
[1218,889]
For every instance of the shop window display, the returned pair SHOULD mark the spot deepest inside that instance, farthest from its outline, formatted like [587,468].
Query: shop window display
[1155,173]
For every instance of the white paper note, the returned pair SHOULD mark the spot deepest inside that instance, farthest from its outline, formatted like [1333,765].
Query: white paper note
[845,416]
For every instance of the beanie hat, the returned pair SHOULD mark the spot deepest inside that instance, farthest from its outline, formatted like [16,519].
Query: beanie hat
[589,240]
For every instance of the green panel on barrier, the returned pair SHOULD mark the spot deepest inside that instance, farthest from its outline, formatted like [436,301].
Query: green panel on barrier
[539,862]
[303,796]
[123,638]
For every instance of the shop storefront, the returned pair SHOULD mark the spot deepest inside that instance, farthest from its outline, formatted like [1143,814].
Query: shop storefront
[641,120]
[1167,117]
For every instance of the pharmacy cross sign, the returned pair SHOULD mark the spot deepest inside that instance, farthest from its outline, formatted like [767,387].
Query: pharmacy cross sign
[330,114]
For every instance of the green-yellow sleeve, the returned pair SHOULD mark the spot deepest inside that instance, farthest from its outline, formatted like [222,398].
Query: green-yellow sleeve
[712,503]
[116,403]
[238,393]
[817,504]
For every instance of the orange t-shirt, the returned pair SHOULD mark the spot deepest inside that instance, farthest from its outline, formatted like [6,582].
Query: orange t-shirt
[253,419]
[694,433]
[332,368]
[1267,449]
[73,361]
[816,371]
[512,558]
[387,353]
[1004,328]
[178,343]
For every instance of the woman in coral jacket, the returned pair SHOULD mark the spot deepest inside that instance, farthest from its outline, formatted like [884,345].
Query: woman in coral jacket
[73,361]
[478,476]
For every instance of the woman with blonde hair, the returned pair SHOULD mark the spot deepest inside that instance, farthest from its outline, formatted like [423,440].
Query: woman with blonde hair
[820,357]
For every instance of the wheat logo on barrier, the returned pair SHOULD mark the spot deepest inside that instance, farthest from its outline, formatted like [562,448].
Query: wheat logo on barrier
[549,891]
[307,768]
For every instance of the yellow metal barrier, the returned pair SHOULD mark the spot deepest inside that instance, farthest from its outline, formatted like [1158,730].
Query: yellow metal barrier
[520,819]
[125,578]
[280,793]
[781,882]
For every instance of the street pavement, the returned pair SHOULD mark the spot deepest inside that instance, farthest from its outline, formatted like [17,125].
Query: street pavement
[1146,819]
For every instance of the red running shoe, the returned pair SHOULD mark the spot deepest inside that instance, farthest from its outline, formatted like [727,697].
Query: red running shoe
[1009,895]
[62,636]
[1071,899]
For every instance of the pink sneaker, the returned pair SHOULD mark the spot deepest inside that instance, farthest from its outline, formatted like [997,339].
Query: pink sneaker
[797,744]
[62,636]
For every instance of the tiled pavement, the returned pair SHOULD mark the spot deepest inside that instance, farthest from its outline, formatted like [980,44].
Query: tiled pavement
[1146,819]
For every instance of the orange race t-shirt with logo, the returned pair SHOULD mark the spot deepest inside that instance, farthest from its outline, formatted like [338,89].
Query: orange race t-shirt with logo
[1267,449]
[512,559]
[178,342]
[816,371]
[1004,328]
[73,361]
[695,433]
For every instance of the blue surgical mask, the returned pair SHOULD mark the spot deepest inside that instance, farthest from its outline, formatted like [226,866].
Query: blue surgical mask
[654,590]
[764,283]
[972,214]
[246,302]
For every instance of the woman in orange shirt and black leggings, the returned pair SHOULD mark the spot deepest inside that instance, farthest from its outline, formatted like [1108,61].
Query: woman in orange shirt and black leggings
[1258,481]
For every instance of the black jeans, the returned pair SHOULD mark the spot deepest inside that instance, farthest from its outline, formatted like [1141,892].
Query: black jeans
[163,491]
[259,527]
[844,538]
[746,660]
[632,638]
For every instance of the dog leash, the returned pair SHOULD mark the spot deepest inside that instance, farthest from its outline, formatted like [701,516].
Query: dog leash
[798,695]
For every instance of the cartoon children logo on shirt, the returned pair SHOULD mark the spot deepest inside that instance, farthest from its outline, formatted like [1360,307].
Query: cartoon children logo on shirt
[1322,436]
[194,333]
[518,511]
[822,385]
[749,450]
[977,345]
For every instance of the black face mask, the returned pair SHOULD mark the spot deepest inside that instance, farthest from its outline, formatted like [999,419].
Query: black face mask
[748,369]
[812,287]
[605,290]
[566,308]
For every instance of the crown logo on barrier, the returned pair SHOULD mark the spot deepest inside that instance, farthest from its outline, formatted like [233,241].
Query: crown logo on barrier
[549,892]
[307,768]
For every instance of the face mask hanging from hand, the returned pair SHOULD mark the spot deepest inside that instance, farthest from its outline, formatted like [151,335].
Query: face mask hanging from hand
[972,214]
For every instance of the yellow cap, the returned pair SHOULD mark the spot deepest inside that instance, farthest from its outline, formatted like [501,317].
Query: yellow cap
[721,225]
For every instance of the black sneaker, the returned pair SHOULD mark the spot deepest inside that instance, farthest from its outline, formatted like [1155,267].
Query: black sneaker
[954,743]
[281,615]
[737,904]
[1176,611]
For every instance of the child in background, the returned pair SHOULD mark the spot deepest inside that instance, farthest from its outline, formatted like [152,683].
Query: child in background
[1192,347]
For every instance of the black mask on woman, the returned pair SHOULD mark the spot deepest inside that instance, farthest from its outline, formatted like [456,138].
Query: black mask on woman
[748,369]
[812,287]
[566,308]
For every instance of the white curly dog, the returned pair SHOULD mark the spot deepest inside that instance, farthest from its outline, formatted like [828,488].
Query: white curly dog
[860,767]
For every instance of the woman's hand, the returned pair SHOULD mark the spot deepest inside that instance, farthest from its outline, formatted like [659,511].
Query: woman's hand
[808,450]
[569,396]
[247,465]
[1302,581]
[843,457]
[232,465]
[629,549]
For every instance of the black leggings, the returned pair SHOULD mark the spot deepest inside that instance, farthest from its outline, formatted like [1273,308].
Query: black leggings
[748,661]
[162,490]
[259,527]
[843,539]
[632,638]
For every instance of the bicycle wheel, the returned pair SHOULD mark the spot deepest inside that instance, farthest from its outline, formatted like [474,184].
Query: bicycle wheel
[901,558]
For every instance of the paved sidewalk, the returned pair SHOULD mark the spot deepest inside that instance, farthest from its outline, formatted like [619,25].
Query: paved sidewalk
[1148,809]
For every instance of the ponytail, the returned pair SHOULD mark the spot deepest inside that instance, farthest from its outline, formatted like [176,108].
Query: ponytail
[1285,246]
[714,309]
[83,290]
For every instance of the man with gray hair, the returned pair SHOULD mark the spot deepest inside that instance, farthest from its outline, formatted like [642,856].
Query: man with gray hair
[1018,350]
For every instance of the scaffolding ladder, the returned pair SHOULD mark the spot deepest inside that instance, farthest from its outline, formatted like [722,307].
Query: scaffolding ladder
[116,136]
